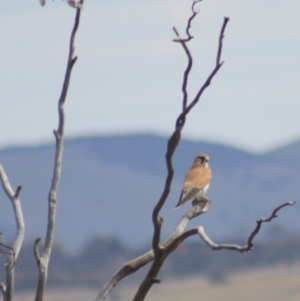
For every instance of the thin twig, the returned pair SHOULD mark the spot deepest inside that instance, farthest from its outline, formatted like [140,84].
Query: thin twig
[5,246]
[187,51]
[188,27]
[191,19]
[18,192]
[218,61]
[3,288]
[181,119]
[249,245]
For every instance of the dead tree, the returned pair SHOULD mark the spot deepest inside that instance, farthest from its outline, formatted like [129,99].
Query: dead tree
[160,251]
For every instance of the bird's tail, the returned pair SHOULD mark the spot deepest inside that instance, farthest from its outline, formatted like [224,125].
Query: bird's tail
[180,202]
[177,206]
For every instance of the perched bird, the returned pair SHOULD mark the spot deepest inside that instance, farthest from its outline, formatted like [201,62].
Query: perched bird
[196,181]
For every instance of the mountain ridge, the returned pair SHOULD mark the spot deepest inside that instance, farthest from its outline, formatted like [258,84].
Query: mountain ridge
[110,185]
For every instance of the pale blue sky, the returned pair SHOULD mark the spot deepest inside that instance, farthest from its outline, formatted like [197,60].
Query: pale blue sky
[129,72]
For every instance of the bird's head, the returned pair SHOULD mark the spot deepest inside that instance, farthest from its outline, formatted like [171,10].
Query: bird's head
[201,159]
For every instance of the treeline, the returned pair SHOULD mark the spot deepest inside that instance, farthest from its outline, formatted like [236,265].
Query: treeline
[101,257]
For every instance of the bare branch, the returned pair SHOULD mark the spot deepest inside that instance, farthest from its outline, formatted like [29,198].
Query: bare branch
[187,70]
[43,259]
[177,242]
[191,18]
[19,237]
[156,236]
[178,236]
[173,142]
[175,239]
[5,246]
[181,119]
[249,245]
[169,246]
[218,61]
[188,27]
[160,254]
[186,76]
[135,264]
[2,288]
[127,269]
[197,209]
[36,250]
[18,192]
[187,51]
[5,184]
[72,3]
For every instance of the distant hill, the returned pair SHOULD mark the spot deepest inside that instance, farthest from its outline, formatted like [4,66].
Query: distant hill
[110,185]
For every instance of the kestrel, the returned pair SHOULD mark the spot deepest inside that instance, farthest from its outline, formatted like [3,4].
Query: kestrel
[196,181]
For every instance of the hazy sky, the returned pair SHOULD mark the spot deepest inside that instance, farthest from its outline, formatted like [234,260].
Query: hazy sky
[128,76]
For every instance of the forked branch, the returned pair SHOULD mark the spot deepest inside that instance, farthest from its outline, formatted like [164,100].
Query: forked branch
[183,42]
[177,237]
[161,254]
[8,289]
[159,251]
[134,265]
[175,138]
[181,119]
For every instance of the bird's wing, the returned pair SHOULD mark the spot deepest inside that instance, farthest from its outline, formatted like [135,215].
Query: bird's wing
[186,195]
[197,177]
[189,194]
